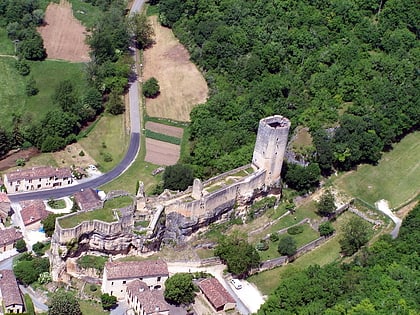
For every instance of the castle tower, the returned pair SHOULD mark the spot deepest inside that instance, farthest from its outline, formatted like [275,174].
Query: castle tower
[270,146]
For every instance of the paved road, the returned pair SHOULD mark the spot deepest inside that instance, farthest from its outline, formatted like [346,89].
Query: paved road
[94,183]
[120,168]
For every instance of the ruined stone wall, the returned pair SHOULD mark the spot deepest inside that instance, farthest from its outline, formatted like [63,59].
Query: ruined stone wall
[219,199]
[123,225]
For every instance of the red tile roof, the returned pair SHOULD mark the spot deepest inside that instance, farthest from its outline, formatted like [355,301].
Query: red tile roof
[4,197]
[33,211]
[215,292]
[9,288]
[9,236]
[136,269]
[151,301]
[88,199]
[38,172]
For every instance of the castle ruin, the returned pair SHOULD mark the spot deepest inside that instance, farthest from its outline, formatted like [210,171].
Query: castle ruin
[176,215]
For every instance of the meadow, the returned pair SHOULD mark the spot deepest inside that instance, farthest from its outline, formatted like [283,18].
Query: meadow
[395,178]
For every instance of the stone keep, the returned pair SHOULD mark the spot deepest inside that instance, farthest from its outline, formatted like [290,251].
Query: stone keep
[270,146]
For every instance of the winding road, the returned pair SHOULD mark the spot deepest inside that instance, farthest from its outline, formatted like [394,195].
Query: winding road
[129,157]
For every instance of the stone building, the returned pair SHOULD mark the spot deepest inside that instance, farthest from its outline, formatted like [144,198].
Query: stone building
[88,199]
[117,275]
[144,301]
[33,211]
[217,295]
[36,178]
[5,208]
[8,238]
[10,292]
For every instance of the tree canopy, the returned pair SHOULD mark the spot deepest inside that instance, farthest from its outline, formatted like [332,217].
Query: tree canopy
[62,302]
[346,68]
[355,235]
[177,177]
[382,279]
[238,254]
[179,289]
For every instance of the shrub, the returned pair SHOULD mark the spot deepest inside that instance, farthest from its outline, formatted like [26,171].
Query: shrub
[151,88]
[262,245]
[81,153]
[22,67]
[295,230]
[274,237]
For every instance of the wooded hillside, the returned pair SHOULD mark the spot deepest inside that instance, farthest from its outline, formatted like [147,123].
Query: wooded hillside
[346,69]
[382,279]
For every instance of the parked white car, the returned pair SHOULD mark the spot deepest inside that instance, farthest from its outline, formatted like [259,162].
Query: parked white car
[236,283]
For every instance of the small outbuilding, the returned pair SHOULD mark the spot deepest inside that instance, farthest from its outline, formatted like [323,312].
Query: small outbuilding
[217,295]
[33,211]
[88,199]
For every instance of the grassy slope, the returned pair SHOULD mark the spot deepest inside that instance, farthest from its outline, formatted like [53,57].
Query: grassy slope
[12,92]
[6,45]
[86,13]
[111,132]
[395,178]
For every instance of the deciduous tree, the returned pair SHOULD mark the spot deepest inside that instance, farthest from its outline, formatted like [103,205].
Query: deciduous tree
[287,245]
[179,289]
[355,235]
[62,302]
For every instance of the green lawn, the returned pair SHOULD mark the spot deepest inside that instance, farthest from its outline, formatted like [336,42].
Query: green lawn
[118,203]
[395,178]
[106,215]
[90,307]
[12,92]
[47,74]
[86,13]
[6,45]
[301,239]
[328,252]
[108,136]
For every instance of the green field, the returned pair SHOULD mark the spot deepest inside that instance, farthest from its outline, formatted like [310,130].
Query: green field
[6,45]
[108,136]
[86,13]
[106,215]
[90,307]
[395,178]
[47,74]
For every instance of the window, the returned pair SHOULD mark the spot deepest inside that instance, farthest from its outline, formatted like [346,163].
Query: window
[124,282]
[112,283]
[158,278]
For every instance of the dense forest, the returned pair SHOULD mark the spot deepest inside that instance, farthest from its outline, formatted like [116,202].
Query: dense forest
[382,279]
[348,70]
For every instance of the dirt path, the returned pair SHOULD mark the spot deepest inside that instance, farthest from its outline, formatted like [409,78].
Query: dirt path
[382,205]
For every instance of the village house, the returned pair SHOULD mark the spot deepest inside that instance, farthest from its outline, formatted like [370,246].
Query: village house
[45,177]
[88,199]
[144,301]
[117,275]
[5,209]
[8,239]
[33,211]
[12,298]
[217,295]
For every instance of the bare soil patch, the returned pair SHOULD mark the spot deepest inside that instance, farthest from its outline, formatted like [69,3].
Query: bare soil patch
[161,153]
[64,36]
[70,156]
[10,161]
[181,84]
[165,129]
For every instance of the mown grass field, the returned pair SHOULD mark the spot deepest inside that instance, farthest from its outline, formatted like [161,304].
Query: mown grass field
[395,178]
[108,136]
[6,45]
[47,75]
[90,307]
[106,215]
[85,12]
